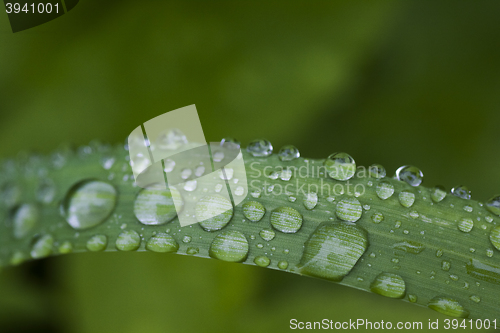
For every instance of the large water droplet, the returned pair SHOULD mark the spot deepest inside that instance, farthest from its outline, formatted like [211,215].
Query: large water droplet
[260,148]
[24,220]
[483,271]
[254,211]
[97,243]
[493,205]
[384,190]
[229,246]
[128,240]
[495,237]
[332,250]
[213,212]
[438,193]
[389,285]
[410,174]
[311,200]
[288,153]
[349,209]
[163,243]
[448,306]
[88,204]
[461,192]
[406,198]
[155,207]
[340,166]
[377,171]
[42,247]
[465,224]
[286,220]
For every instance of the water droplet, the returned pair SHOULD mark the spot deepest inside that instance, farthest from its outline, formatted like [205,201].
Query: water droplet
[128,240]
[438,193]
[377,171]
[489,253]
[162,242]
[169,165]
[218,156]
[171,139]
[286,220]
[65,248]
[229,246]
[190,185]
[283,264]
[406,198]
[259,246]
[448,306]
[213,212]
[199,171]
[453,277]
[445,265]
[398,224]
[260,148]
[493,205]
[495,237]
[311,200]
[410,174]
[97,243]
[389,285]
[332,250]
[461,192]
[483,271]
[218,188]
[439,253]
[262,261]
[267,234]
[24,220]
[273,175]
[186,173]
[366,207]
[465,224]
[349,209]
[254,211]
[256,193]
[414,214]
[88,204]
[42,247]
[10,195]
[340,166]
[155,207]
[489,219]
[18,258]
[227,174]
[377,217]
[292,198]
[239,191]
[46,192]
[412,298]
[288,153]
[468,209]
[286,174]
[409,246]
[475,298]
[192,250]
[186,239]
[384,190]
[107,162]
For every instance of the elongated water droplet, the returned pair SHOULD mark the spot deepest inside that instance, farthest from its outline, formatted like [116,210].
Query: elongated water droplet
[406,198]
[229,246]
[332,250]
[311,200]
[493,205]
[88,204]
[262,261]
[377,171]
[128,240]
[465,224]
[213,212]
[384,190]
[288,153]
[438,193]
[163,243]
[97,243]
[461,192]
[409,246]
[340,166]
[42,247]
[495,237]
[389,285]
[483,271]
[475,298]
[410,174]
[260,148]
[24,220]
[349,209]
[448,306]
[254,211]
[286,220]
[267,234]
[155,207]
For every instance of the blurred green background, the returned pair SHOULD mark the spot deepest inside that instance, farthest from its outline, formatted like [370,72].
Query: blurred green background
[389,82]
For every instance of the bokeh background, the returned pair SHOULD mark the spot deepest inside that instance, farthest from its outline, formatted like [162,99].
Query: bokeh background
[389,82]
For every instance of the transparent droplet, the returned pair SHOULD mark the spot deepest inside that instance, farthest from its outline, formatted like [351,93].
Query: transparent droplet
[349,209]
[192,250]
[256,193]
[42,247]
[128,240]
[231,246]
[186,239]
[24,220]
[88,204]
[288,153]
[412,298]
[273,175]
[186,173]
[389,285]
[448,306]
[465,224]
[340,166]
[218,156]
[409,246]
[311,200]
[97,243]
[410,174]
[227,174]
[107,162]
[286,174]
[475,298]
[46,192]
[384,190]
[172,139]
[169,165]
[199,171]
[377,217]
[333,250]
[495,237]
[190,185]
[461,192]
[260,148]
[10,195]
[377,171]
[438,193]
[286,220]
[163,243]
[65,248]
[493,205]
[213,212]
[468,209]
[155,207]
[262,261]
[445,265]
[239,191]
[230,143]
[283,264]
[406,198]
[267,234]
[254,211]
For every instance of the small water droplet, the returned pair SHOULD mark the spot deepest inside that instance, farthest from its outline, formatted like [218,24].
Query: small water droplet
[190,185]
[389,285]
[468,208]
[439,253]
[377,171]
[186,239]
[377,217]
[495,237]
[292,198]
[262,261]
[171,139]
[65,248]
[340,166]
[199,171]
[493,205]
[218,156]
[192,250]
[97,243]
[230,143]
[311,200]
[406,198]
[46,192]
[186,173]
[260,148]
[288,153]
[445,265]
[384,190]
[283,264]
[410,174]
[169,165]
[461,192]
[254,211]
[286,174]
[267,234]
[475,298]
[465,224]
[412,298]
[483,271]
[24,220]
[448,306]
[349,209]
[128,240]
[163,243]
[107,162]
[213,212]
[414,214]
[489,253]
[156,207]
[286,220]
[256,193]
[42,247]
[231,246]
[438,193]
